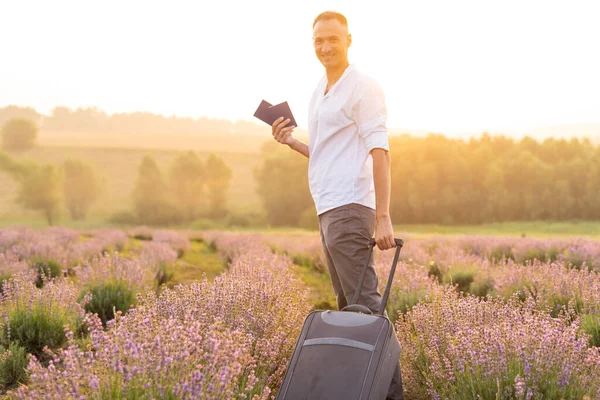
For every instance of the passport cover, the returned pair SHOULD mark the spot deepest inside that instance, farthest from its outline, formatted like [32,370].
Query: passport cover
[268,113]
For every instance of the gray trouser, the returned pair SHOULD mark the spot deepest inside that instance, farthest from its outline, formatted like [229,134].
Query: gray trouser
[345,235]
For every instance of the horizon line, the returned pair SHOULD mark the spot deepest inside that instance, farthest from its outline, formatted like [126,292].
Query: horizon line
[391,130]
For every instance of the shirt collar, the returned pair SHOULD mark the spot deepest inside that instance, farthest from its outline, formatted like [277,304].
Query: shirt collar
[347,71]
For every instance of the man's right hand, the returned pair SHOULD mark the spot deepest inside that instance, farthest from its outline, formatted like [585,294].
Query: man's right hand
[283,133]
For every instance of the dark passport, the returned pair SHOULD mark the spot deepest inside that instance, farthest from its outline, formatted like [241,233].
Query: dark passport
[268,113]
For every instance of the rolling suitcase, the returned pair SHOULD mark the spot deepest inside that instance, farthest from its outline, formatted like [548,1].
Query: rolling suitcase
[347,355]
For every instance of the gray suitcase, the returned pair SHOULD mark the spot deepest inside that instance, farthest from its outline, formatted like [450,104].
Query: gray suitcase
[346,355]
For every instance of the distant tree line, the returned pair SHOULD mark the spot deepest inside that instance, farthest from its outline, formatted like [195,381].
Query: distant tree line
[493,179]
[450,181]
[94,120]
[435,179]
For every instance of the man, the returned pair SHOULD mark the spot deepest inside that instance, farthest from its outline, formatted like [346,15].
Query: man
[349,166]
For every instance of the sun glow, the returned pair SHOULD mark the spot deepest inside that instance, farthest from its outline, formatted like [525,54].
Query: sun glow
[464,66]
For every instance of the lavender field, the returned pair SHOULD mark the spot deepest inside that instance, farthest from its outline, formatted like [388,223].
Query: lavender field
[148,314]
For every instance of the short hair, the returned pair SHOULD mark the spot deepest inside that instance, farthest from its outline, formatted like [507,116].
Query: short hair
[331,15]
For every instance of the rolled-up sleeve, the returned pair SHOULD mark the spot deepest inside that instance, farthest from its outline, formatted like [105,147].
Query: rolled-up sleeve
[370,115]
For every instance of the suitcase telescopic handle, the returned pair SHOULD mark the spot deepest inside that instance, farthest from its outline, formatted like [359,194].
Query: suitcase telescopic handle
[399,242]
[386,294]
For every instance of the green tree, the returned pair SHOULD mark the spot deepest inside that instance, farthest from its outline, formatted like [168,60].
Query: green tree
[40,189]
[82,186]
[16,169]
[592,188]
[39,186]
[282,184]
[218,179]
[186,180]
[19,134]
[494,187]
[151,196]
[402,167]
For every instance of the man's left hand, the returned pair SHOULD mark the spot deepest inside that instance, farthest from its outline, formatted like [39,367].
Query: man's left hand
[384,233]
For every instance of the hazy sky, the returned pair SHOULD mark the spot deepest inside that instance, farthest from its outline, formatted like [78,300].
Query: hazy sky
[445,66]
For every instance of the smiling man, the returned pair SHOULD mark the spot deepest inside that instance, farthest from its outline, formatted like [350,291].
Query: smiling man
[349,166]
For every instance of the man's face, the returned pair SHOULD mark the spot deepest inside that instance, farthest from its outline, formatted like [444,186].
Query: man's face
[331,41]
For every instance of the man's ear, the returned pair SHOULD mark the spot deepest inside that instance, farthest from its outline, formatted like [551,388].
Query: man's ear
[349,39]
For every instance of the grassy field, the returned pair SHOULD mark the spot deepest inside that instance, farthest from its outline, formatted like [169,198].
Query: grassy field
[534,229]
[539,229]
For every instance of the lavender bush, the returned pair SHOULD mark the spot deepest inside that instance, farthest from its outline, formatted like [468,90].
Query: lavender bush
[464,347]
[35,318]
[532,332]
[230,338]
[175,240]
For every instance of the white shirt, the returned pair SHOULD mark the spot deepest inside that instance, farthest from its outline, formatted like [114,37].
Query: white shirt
[344,125]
